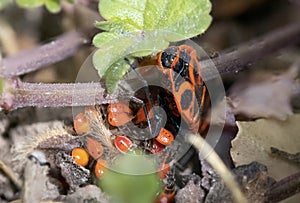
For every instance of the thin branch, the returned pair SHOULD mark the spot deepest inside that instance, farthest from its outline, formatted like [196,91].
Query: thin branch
[54,51]
[284,188]
[292,157]
[54,95]
[244,55]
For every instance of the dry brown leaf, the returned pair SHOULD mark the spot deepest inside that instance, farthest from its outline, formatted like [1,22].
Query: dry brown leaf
[254,140]
[265,95]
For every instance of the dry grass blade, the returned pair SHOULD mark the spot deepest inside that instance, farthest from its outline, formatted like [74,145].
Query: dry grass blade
[214,160]
[10,174]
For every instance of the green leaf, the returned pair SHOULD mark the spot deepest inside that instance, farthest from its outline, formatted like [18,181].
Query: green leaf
[186,17]
[140,28]
[115,73]
[30,3]
[102,38]
[115,27]
[135,44]
[52,5]
[131,179]
[110,52]
[127,11]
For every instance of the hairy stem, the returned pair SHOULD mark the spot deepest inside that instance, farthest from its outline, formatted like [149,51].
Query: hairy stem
[54,95]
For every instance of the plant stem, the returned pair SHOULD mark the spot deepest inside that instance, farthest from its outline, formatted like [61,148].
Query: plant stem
[54,95]
[30,60]
[238,58]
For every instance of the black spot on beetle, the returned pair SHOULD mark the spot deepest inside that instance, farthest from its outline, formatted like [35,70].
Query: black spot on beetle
[182,66]
[186,99]
[168,56]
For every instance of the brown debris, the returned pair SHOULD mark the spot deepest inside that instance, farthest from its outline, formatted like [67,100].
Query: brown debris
[37,185]
[264,95]
[89,193]
[191,193]
[74,174]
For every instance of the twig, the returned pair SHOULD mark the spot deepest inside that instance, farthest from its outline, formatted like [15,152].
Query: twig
[242,56]
[284,188]
[215,161]
[292,157]
[54,95]
[57,50]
